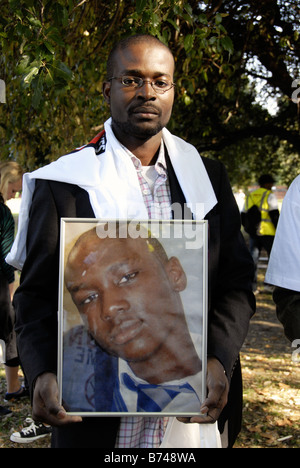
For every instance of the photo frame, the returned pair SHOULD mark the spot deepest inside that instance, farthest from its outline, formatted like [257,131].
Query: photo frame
[132,317]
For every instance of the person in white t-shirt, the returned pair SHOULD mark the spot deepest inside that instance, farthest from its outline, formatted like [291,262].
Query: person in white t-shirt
[284,265]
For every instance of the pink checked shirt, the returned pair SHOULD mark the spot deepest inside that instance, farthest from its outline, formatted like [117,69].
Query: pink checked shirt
[140,431]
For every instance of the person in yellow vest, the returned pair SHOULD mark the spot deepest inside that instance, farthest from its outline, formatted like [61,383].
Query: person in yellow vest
[267,204]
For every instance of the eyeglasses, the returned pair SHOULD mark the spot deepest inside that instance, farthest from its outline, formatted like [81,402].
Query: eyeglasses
[160,86]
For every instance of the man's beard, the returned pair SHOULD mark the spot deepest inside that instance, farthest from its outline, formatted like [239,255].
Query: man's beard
[132,129]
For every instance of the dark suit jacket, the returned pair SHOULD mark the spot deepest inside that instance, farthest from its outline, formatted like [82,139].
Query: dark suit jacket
[231,303]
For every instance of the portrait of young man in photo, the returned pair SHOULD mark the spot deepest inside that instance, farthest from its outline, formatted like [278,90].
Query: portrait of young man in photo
[127,292]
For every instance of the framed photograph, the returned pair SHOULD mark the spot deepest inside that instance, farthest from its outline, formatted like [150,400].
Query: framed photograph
[132,317]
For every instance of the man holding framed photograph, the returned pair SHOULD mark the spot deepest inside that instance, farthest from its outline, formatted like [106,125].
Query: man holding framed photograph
[133,169]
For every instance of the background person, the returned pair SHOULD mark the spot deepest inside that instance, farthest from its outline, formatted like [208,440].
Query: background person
[11,174]
[263,236]
[10,184]
[11,179]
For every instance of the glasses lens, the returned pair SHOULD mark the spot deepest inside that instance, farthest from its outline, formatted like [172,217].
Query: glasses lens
[160,86]
[132,81]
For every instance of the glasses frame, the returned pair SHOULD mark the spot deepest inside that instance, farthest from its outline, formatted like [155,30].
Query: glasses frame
[142,82]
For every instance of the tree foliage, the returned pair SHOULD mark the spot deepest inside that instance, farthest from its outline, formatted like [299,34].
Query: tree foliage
[266,49]
[53,63]
[54,55]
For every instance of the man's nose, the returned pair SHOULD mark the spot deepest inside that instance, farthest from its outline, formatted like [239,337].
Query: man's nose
[113,305]
[146,90]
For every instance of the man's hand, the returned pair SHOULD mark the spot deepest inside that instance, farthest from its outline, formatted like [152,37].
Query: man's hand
[217,387]
[46,407]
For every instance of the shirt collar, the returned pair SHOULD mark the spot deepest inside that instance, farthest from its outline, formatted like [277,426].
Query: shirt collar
[160,165]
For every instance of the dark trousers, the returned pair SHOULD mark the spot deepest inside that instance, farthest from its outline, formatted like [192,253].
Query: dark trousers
[257,244]
[95,432]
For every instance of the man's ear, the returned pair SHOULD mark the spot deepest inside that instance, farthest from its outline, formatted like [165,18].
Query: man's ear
[106,91]
[176,274]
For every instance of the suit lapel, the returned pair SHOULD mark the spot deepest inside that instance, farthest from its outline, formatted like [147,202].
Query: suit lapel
[177,196]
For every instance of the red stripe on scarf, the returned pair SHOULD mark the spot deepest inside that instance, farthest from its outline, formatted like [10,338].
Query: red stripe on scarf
[97,138]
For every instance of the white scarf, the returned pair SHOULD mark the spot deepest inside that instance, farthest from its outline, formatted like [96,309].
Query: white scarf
[112,183]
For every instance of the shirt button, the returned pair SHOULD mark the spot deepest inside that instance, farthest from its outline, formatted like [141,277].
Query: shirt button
[146,192]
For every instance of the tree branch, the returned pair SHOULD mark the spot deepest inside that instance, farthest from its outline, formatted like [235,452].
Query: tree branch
[256,132]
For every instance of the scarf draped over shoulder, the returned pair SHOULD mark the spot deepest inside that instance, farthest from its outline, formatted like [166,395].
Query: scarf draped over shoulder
[112,184]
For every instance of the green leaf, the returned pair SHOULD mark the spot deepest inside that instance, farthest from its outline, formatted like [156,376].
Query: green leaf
[53,34]
[141,5]
[22,66]
[58,14]
[35,22]
[37,96]
[187,100]
[189,9]
[188,42]
[218,19]
[63,70]
[49,80]
[29,77]
[227,44]
[174,24]
[49,47]
[155,20]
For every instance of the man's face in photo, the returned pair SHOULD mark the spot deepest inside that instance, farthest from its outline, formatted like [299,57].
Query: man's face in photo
[127,297]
